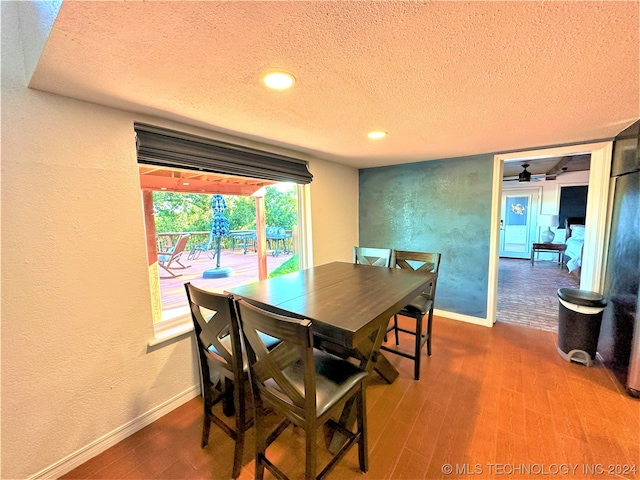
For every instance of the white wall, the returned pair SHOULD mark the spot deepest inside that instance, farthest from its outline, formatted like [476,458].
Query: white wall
[334,212]
[76,308]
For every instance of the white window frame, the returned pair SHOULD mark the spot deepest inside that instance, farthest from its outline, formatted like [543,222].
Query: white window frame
[167,330]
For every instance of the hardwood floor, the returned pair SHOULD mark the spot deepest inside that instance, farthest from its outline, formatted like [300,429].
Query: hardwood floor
[495,402]
[527,294]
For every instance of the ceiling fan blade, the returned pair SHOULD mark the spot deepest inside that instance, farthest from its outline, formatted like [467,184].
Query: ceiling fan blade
[516,179]
[528,177]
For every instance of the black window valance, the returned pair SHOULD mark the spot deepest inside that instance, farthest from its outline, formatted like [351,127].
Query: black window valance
[170,148]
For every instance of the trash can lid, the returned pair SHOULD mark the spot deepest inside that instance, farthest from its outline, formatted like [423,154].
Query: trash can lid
[582,297]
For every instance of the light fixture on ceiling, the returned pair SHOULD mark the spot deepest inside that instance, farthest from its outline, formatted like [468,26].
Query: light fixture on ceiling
[278,80]
[525,175]
[377,134]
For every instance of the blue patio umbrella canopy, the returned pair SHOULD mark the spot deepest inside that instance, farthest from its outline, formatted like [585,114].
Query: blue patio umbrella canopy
[219,229]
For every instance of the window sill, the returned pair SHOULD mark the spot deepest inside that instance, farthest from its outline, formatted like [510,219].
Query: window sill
[170,330]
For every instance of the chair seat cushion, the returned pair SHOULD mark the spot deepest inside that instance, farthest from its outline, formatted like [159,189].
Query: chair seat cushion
[418,306]
[269,342]
[334,377]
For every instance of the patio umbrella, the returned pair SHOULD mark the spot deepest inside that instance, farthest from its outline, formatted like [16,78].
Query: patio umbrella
[219,229]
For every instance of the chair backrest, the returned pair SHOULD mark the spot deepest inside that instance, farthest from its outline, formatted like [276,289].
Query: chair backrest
[212,237]
[421,262]
[380,257]
[294,390]
[217,332]
[179,247]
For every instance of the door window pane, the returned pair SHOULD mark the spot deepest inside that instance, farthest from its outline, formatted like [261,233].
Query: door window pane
[516,227]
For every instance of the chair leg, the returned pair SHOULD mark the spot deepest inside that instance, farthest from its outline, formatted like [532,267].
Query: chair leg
[181,265]
[395,328]
[363,448]
[168,271]
[310,451]
[206,425]
[239,399]
[261,440]
[429,322]
[239,448]
[418,347]
[228,406]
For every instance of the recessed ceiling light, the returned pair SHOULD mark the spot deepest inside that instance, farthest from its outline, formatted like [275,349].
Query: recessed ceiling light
[377,134]
[278,80]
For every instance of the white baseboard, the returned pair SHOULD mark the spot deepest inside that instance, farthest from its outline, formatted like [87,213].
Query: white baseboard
[462,318]
[101,444]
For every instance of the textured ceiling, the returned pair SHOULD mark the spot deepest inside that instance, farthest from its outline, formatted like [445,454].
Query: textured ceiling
[445,79]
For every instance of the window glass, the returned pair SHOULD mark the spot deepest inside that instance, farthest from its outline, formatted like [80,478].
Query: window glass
[210,241]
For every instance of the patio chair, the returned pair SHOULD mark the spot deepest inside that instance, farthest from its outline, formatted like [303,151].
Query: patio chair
[207,248]
[166,260]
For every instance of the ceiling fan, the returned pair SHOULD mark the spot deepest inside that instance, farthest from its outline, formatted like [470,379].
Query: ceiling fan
[525,175]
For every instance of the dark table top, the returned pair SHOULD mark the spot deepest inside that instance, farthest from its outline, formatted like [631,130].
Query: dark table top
[345,302]
[549,246]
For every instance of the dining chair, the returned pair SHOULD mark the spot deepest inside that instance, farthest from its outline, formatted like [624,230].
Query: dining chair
[419,307]
[222,374]
[305,385]
[380,257]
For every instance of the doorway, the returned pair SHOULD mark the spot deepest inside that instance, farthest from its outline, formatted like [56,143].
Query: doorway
[597,208]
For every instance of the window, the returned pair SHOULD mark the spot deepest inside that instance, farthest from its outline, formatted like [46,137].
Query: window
[213,262]
[573,202]
[179,174]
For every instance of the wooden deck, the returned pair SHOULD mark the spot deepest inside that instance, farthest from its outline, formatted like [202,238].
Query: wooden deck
[245,270]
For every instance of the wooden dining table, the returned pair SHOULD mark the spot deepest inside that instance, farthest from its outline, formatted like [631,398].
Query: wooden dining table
[348,304]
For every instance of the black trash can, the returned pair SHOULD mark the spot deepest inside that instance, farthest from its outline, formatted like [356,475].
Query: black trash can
[579,320]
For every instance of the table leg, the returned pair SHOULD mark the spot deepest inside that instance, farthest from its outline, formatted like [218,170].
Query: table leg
[385,369]
[533,252]
[370,358]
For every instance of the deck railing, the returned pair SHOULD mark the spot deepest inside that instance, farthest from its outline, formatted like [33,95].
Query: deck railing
[165,240]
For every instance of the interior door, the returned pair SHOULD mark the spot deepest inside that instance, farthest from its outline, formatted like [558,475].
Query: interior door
[518,222]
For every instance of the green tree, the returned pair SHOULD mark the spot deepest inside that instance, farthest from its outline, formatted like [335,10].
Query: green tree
[281,206]
[182,212]
[191,212]
[241,213]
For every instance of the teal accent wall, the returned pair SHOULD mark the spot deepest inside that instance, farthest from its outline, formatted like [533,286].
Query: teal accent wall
[436,206]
